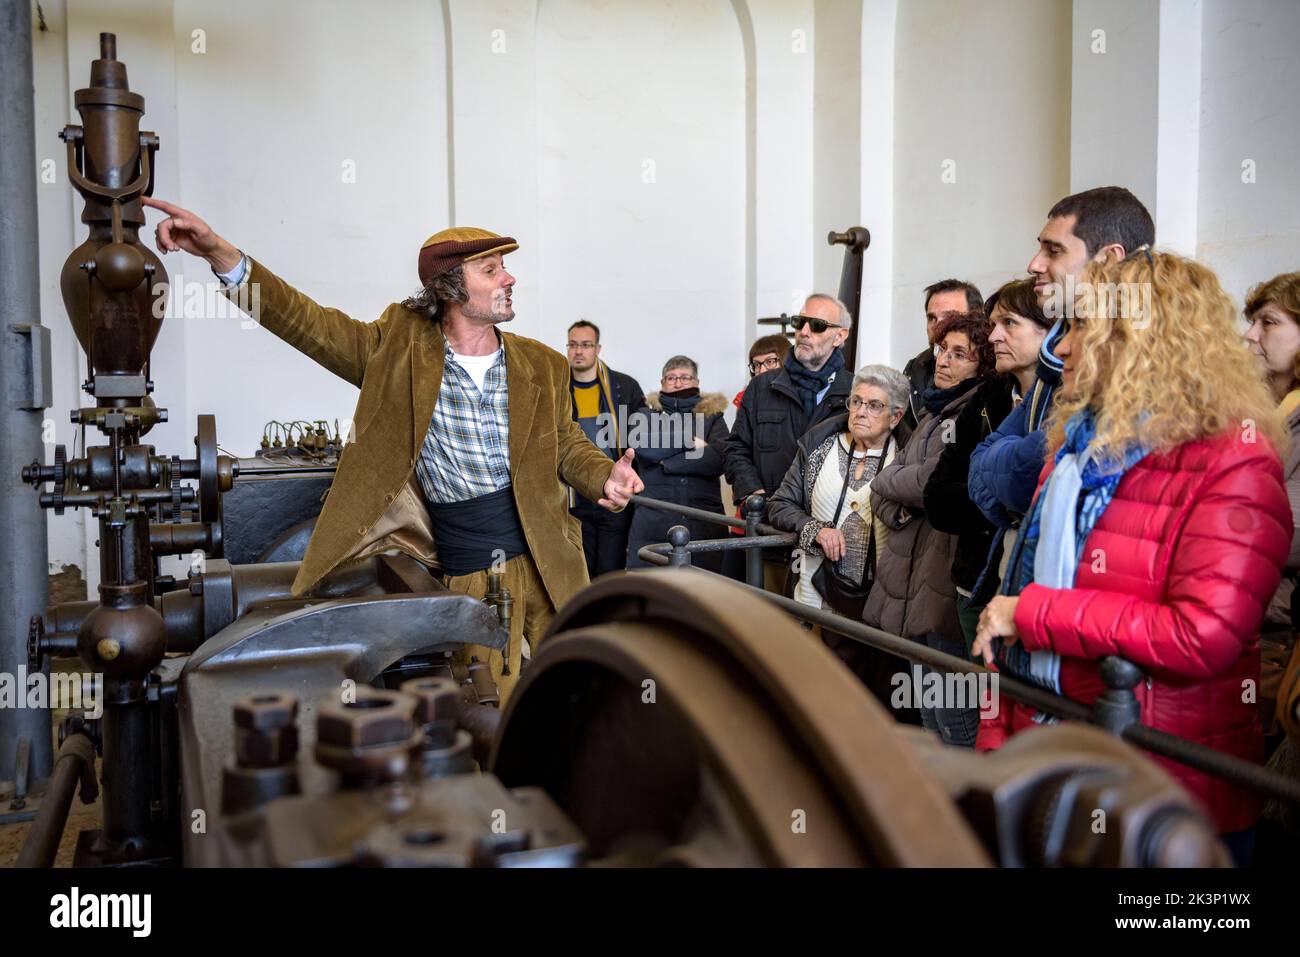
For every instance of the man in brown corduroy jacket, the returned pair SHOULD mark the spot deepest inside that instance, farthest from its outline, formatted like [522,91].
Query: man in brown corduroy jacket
[464,434]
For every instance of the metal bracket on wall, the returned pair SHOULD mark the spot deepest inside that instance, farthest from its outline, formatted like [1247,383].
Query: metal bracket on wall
[40,395]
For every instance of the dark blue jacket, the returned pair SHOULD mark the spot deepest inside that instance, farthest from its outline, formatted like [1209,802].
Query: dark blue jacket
[1004,467]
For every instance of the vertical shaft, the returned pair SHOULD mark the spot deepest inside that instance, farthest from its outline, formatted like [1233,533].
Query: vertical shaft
[24,583]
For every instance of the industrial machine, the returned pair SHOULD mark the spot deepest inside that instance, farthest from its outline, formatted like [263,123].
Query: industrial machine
[671,718]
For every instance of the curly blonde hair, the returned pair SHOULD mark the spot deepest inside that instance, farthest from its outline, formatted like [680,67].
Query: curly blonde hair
[1171,369]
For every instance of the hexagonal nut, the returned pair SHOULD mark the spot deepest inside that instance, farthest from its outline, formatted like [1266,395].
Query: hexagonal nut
[266,711]
[375,718]
[439,699]
[257,748]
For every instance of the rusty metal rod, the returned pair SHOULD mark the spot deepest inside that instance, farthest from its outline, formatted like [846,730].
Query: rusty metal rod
[481,722]
[699,514]
[74,763]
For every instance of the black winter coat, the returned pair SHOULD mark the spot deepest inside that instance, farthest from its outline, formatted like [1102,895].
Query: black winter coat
[920,373]
[677,472]
[947,503]
[769,425]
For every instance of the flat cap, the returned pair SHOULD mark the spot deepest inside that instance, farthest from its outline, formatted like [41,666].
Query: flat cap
[445,250]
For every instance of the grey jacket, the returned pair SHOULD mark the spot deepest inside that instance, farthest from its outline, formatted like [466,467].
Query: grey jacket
[913,594]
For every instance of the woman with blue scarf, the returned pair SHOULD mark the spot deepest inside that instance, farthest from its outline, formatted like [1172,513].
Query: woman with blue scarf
[1160,527]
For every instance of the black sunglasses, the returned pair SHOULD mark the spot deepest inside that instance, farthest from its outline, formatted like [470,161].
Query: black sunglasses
[818,325]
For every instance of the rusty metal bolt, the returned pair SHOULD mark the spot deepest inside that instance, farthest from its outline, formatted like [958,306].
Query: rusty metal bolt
[376,718]
[266,730]
[439,699]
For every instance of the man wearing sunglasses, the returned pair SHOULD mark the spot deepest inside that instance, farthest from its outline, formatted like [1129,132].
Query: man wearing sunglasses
[780,405]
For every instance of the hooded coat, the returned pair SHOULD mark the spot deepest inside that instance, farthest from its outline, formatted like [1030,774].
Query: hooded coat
[674,470]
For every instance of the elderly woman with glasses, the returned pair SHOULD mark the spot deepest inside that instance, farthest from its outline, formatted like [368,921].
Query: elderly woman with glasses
[914,595]
[826,494]
[680,439]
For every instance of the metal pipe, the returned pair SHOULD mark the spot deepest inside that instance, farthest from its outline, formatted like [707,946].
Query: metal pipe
[481,722]
[75,763]
[24,387]
[757,543]
[245,473]
[129,768]
[1226,766]
[753,510]
[700,515]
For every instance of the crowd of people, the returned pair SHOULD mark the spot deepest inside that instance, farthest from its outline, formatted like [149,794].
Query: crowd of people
[1100,459]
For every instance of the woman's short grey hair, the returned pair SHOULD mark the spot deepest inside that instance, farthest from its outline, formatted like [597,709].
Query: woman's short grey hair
[681,362]
[447,287]
[888,380]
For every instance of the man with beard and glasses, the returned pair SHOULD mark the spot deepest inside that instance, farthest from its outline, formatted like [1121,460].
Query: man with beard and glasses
[464,434]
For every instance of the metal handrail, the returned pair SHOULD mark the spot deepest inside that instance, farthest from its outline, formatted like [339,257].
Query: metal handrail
[1116,709]
[703,515]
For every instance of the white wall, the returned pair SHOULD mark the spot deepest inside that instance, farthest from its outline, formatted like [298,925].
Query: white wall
[1113,129]
[981,145]
[837,119]
[641,188]
[766,123]
[1250,129]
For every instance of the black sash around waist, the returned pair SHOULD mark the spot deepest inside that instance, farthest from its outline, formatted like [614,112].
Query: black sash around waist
[470,535]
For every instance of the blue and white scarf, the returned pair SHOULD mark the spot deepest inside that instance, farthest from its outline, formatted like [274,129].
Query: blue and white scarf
[1061,518]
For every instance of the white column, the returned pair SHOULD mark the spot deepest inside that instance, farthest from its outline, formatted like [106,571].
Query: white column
[876,189]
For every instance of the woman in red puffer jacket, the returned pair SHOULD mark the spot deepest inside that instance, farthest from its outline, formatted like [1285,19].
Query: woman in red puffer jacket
[1160,525]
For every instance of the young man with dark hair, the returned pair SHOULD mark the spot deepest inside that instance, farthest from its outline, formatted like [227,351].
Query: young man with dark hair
[602,401]
[943,299]
[1093,225]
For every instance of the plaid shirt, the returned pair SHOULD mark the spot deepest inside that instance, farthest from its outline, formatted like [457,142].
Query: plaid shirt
[466,452]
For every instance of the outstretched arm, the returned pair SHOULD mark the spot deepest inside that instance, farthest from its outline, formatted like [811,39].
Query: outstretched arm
[335,340]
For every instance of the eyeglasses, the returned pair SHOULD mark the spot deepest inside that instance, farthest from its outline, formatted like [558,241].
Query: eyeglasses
[674,379]
[956,355]
[764,365]
[818,325]
[582,345]
[874,406]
